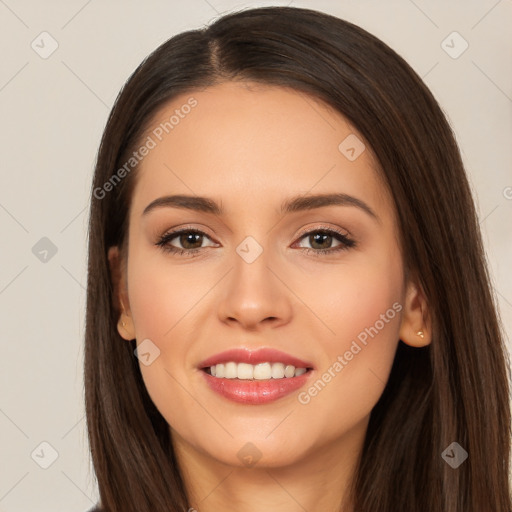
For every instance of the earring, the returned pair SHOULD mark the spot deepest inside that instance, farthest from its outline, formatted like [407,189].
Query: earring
[420,334]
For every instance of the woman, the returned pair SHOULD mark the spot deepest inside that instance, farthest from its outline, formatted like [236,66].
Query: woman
[288,304]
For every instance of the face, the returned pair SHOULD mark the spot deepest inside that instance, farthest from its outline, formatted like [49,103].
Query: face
[320,281]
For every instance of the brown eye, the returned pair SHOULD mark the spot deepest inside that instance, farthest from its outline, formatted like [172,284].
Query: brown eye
[321,241]
[324,240]
[189,241]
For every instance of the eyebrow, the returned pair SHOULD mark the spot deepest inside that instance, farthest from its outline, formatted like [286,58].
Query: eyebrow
[294,204]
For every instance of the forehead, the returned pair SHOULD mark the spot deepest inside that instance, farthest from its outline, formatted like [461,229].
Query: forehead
[252,142]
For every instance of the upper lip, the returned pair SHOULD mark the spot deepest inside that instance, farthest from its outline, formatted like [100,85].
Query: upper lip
[261,355]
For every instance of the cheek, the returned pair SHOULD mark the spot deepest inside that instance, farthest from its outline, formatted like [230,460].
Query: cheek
[360,306]
[160,298]
[350,297]
[165,301]
[162,294]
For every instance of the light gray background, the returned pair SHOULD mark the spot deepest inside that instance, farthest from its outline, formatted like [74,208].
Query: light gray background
[53,112]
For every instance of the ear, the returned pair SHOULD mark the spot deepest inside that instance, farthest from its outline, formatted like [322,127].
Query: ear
[416,328]
[125,325]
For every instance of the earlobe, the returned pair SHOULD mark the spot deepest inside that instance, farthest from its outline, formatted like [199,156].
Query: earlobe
[125,325]
[415,329]
[125,329]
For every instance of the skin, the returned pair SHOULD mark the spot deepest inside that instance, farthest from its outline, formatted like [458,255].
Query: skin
[250,147]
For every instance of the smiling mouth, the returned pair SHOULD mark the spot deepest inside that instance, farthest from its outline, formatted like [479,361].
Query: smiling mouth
[261,371]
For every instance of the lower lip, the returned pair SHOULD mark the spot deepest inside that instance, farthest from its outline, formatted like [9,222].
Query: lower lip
[255,391]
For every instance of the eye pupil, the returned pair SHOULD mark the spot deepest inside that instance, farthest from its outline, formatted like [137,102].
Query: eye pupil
[325,237]
[189,238]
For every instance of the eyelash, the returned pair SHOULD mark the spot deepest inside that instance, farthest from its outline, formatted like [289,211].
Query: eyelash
[346,242]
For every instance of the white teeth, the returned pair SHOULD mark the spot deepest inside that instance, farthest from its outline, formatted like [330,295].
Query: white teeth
[230,371]
[262,371]
[219,370]
[277,370]
[289,371]
[244,371]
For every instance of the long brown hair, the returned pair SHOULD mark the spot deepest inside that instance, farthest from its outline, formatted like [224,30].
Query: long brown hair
[454,390]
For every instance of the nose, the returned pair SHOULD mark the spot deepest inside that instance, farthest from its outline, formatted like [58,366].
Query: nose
[255,294]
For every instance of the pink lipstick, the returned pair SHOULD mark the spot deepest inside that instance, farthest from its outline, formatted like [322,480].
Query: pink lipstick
[255,377]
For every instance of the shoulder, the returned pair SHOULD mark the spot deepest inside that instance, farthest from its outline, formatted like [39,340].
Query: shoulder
[95,509]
